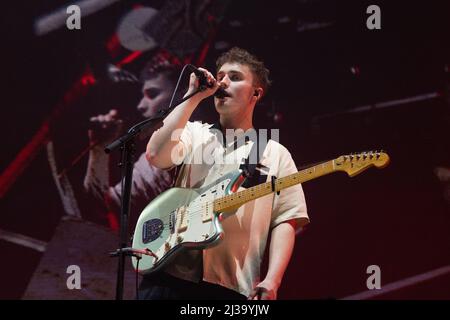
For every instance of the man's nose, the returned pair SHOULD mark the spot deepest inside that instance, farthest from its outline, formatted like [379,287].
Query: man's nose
[142,105]
[224,82]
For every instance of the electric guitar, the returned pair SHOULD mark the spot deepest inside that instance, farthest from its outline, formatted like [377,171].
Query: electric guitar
[182,218]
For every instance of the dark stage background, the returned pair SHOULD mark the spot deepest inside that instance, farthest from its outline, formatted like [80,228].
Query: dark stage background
[338,87]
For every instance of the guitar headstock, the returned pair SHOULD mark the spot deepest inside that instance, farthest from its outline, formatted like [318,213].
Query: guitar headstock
[356,163]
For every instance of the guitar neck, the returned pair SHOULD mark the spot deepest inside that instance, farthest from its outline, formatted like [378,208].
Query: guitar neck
[235,200]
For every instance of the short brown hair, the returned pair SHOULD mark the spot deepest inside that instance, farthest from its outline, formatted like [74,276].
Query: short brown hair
[151,70]
[241,56]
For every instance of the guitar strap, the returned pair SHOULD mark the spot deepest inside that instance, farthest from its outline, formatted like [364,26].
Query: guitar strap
[252,169]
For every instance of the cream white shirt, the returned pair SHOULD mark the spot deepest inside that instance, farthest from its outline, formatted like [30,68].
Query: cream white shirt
[235,262]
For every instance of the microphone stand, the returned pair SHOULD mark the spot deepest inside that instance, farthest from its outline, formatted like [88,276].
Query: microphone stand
[127,147]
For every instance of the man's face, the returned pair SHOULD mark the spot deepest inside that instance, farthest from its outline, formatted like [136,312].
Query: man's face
[237,80]
[157,93]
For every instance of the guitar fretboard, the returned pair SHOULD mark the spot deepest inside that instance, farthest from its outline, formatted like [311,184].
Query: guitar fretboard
[235,200]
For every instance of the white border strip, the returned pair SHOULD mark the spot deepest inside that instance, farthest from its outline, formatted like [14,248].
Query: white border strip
[57,18]
[399,284]
[22,240]
[379,105]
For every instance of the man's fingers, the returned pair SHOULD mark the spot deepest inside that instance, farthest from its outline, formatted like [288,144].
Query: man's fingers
[106,119]
[256,293]
[209,77]
[252,295]
[261,293]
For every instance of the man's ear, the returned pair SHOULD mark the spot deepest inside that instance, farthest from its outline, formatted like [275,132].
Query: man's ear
[258,93]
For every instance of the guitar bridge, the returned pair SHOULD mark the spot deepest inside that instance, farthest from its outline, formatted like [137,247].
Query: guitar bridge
[172,221]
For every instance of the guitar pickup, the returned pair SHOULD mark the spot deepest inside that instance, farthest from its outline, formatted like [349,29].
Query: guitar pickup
[207,211]
[182,219]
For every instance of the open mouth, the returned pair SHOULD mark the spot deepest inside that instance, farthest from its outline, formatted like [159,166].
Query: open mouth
[221,93]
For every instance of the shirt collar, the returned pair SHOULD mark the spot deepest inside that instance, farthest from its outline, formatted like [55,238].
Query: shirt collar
[237,139]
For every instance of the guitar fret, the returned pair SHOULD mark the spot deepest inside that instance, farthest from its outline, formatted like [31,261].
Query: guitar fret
[241,197]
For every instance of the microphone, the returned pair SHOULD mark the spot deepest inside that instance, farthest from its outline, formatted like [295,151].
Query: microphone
[201,77]
[220,92]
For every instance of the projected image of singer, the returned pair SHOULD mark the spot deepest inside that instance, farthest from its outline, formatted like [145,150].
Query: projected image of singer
[159,79]
[231,269]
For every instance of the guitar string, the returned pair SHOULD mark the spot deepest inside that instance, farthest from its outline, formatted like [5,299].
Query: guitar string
[198,209]
[194,210]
